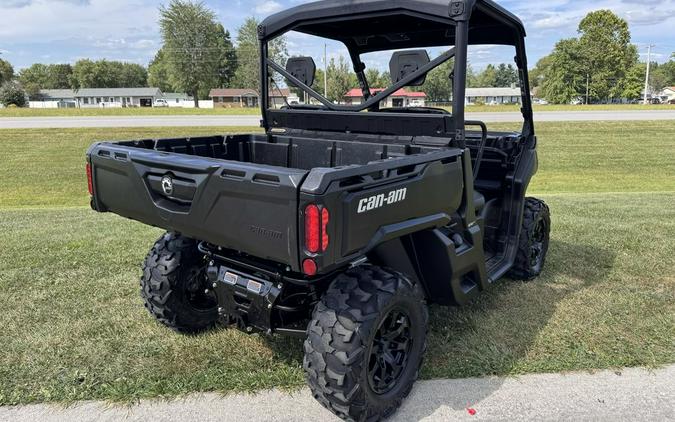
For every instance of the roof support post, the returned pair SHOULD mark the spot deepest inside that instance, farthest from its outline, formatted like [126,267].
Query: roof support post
[264,77]
[460,12]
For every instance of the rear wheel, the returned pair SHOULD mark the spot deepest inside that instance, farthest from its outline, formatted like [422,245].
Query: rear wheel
[173,285]
[366,343]
[534,240]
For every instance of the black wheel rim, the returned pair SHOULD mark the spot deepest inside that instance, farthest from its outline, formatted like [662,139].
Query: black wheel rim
[390,352]
[538,245]
[195,293]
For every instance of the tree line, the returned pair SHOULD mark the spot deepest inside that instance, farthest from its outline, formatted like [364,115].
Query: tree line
[600,65]
[199,54]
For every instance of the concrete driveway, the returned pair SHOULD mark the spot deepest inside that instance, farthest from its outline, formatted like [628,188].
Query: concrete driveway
[627,395]
[220,121]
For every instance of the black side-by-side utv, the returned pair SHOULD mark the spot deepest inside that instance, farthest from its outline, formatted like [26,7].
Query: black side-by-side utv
[340,223]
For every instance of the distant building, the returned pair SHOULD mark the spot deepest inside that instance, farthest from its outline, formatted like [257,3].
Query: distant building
[493,95]
[99,97]
[400,98]
[234,98]
[177,99]
[668,94]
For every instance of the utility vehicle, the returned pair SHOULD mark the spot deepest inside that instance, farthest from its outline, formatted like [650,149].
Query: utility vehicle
[340,223]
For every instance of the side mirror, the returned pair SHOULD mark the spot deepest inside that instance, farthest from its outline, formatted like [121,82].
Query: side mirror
[403,63]
[302,68]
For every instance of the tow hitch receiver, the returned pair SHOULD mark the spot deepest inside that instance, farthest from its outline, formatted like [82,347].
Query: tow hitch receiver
[243,300]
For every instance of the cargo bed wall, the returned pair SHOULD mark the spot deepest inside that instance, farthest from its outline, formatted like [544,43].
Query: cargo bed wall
[302,153]
[234,205]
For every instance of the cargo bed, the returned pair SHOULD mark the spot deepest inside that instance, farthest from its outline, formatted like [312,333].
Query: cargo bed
[244,192]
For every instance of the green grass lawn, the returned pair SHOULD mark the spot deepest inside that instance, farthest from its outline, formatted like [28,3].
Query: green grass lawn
[32,112]
[77,112]
[74,326]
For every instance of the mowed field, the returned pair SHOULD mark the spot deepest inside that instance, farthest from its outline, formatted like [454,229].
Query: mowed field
[77,112]
[74,327]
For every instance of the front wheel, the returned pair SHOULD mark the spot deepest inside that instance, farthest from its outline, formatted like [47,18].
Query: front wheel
[366,342]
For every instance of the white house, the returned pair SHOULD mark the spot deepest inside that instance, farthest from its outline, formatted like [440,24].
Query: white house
[493,95]
[98,97]
[668,93]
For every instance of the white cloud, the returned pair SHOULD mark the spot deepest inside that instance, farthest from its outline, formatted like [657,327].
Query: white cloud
[267,7]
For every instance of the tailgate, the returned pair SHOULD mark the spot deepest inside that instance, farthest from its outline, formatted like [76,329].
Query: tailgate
[245,207]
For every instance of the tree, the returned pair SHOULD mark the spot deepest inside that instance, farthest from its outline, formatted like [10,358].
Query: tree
[340,79]
[107,74]
[506,76]
[606,52]
[562,81]
[538,74]
[6,71]
[634,82]
[12,93]
[191,45]
[438,85]
[377,79]
[40,76]
[158,72]
[227,65]
[488,77]
[248,55]
[130,75]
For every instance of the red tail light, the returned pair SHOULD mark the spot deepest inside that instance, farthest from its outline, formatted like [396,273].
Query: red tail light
[312,226]
[90,181]
[309,267]
[316,229]
[325,218]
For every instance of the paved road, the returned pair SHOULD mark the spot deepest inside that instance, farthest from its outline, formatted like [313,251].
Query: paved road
[187,121]
[629,395]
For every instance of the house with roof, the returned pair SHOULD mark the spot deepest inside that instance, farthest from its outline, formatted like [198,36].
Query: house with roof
[510,95]
[98,97]
[178,99]
[400,98]
[234,98]
[668,94]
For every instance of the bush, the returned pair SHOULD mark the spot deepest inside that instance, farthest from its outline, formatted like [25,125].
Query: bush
[12,93]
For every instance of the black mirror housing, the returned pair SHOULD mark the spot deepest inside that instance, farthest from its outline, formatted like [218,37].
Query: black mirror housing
[403,63]
[302,68]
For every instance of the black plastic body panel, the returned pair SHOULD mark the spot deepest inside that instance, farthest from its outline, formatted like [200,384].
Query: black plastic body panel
[247,192]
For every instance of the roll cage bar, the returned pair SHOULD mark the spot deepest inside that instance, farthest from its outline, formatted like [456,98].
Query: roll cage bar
[492,25]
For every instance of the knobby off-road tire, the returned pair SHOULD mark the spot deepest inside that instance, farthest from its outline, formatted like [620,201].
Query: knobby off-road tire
[534,240]
[173,285]
[366,311]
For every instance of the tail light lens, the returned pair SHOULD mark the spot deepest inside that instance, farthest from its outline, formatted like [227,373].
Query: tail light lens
[316,229]
[325,218]
[312,228]
[309,267]
[90,182]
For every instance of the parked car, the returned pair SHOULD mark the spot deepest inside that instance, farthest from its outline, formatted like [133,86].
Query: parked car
[336,225]
[161,103]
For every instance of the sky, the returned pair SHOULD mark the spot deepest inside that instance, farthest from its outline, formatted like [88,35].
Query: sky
[63,31]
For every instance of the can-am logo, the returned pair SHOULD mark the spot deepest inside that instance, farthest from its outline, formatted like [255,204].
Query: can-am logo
[378,201]
[167,185]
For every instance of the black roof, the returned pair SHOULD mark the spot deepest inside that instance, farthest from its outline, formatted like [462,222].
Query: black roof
[376,25]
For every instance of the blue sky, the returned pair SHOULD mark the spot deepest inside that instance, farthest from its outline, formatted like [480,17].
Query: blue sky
[58,31]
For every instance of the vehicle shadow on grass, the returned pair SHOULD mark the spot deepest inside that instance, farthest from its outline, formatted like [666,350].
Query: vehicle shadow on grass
[491,336]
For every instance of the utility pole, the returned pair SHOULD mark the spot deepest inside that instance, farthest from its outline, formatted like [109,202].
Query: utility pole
[325,70]
[588,86]
[649,63]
